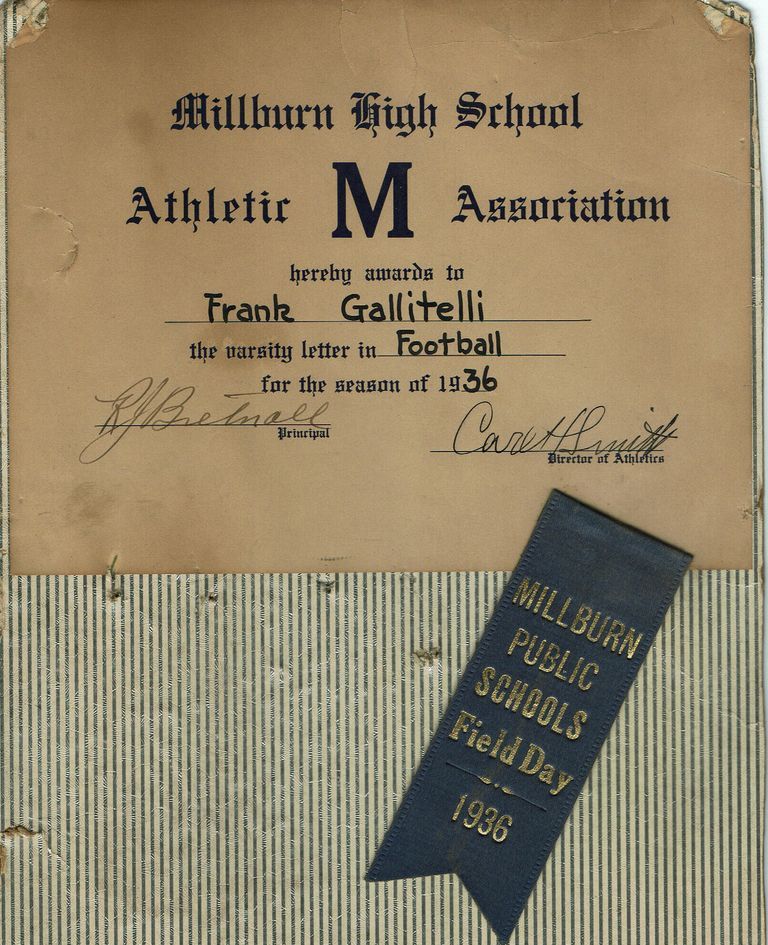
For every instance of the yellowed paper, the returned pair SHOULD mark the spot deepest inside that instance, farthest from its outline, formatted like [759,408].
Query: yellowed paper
[599,219]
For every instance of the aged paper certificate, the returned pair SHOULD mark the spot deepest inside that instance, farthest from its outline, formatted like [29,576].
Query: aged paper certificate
[305,309]
[349,290]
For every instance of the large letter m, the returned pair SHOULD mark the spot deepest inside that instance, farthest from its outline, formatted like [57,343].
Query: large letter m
[396,180]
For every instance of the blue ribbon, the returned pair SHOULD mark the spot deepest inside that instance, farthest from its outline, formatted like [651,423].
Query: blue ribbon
[536,703]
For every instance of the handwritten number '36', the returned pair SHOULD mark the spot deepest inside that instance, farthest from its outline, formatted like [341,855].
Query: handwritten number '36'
[476,382]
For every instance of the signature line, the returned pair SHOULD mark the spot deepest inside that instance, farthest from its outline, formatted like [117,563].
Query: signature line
[639,449]
[503,787]
[219,423]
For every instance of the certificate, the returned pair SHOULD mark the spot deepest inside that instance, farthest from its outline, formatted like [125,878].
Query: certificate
[370,371]
[347,314]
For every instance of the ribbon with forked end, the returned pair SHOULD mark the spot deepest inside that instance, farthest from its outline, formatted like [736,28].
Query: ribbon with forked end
[536,703]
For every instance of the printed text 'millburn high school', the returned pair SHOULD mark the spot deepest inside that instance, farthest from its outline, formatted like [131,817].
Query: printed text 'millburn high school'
[371,111]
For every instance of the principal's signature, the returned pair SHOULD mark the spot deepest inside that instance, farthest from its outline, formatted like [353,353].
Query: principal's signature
[157,405]
[478,432]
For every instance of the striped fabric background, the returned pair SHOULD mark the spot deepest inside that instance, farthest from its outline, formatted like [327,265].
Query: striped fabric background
[213,759]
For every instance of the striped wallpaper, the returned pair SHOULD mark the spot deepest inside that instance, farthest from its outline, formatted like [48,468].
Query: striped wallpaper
[214,759]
